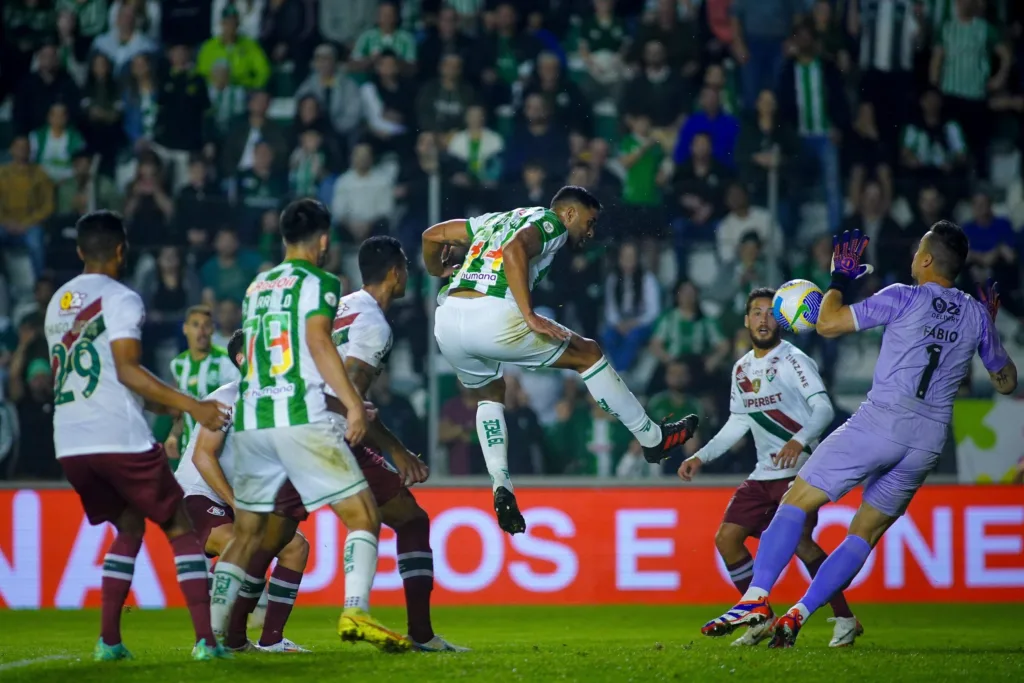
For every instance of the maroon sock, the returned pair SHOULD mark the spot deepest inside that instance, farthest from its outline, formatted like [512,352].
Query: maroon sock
[248,597]
[190,562]
[838,602]
[741,572]
[281,594]
[416,566]
[118,568]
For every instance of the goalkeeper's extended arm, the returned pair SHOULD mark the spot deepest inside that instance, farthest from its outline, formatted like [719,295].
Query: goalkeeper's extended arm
[731,432]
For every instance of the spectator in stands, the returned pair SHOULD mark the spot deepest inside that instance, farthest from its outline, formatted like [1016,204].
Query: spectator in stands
[992,242]
[741,220]
[476,153]
[398,414]
[873,220]
[632,302]
[442,103]
[41,89]
[524,430]
[456,431]
[227,102]
[389,104]
[174,288]
[229,272]
[545,388]
[676,397]
[147,16]
[833,31]
[85,190]
[817,108]
[870,156]
[657,90]
[533,188]
[72,48]
[342,23]
[898,242]
[929,209]
[91,16]
[307,165]
[102,106]
[570,110]
[35,307]
[239,146]
[262,187]
[27,27]
[678,37]
[536,139]
[199,206]
[337,94]
[699,186]
[123,41]
[270,247]
[309,116]
[443,39]
[602,43]
[642,157]
[226,319]
[413,189]
[248,63]
[149,208]
[181,109]
[685,330]
[720,79]
[249,12]
[760,30]
[33,396]
[364,198]
[586,440]
[388,36]
[749,270]
[54,144]
[506,56]
[141,100]
[764,144]
[933,149]
[188,22]
[26,201]
[961,68]
[288,33]
[710,120]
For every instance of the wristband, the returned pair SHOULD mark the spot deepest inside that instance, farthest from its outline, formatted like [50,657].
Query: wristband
[841,283]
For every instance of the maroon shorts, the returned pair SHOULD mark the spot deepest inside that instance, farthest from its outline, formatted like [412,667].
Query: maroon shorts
[288,504]
[383,479]
[110,483]
[207,515]
[755,502]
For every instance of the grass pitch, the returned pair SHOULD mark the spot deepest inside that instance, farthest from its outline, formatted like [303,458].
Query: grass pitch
[902,643]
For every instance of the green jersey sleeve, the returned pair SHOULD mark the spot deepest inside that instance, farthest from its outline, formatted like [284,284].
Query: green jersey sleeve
[319,295]
[553,234]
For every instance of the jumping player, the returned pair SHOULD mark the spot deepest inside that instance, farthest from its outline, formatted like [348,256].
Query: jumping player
[364,338]
[205,473]
[777,395]
[105,446]
[284,432]
[197,371]
[931,333]
[487,319]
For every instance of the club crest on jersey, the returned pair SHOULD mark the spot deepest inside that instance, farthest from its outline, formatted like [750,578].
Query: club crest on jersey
[757,385]
[71,302]
[770,373]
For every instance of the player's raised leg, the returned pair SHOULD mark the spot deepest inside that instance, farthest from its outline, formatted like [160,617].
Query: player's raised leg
[847,628]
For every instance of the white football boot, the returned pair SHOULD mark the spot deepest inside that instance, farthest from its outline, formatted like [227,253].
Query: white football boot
[847,630]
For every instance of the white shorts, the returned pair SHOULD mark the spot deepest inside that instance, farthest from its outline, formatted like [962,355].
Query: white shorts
[314,457]
[478,335]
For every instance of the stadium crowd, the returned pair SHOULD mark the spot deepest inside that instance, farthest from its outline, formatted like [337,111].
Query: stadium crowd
[727,139]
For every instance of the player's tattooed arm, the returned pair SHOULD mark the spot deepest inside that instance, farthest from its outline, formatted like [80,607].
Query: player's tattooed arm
[1005,379]
[835,319]
[208,447]
[437,237]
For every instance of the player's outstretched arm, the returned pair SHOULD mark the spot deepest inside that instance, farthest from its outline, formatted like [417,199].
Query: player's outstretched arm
[1005,380]
[834,319]
[437,237]
[205,458]
[731,432]
[127,360]
[328,363]
[525,245]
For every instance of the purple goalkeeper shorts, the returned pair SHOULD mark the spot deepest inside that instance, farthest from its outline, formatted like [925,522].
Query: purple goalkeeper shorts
[855,453]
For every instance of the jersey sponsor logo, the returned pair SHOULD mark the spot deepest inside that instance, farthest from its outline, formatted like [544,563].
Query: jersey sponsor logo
[762,401]
[216,511]
[480,277]
[71,302]
[799,371]
[946,311]
[286,390]
[272,285]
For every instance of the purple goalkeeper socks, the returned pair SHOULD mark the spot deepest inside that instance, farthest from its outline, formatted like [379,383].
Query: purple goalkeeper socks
[778,543]
[836,572]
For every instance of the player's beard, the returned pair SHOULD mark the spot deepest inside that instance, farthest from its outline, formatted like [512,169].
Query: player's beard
[771,342]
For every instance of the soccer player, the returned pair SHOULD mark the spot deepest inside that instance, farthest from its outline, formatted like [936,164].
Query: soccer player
[197,371]
[931,333]
[205,473]
[102,439]
[284,432]
[487,319]
[777,395]
[364,338]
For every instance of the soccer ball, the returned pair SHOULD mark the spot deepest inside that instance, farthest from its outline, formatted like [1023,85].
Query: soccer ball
[796,306]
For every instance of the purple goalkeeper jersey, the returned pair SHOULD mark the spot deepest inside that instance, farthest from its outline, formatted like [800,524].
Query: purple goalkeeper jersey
[931,334]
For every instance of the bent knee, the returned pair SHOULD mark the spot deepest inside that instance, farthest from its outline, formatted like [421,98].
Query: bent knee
[729,539]
[296,553]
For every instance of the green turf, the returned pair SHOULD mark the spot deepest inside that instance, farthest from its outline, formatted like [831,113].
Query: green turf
[902,643]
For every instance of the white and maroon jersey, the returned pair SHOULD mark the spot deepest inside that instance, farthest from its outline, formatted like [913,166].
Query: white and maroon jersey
[192,482]
[93,411]
[361,331]
[771,394]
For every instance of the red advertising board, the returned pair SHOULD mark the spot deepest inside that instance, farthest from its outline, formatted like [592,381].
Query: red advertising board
[585,546]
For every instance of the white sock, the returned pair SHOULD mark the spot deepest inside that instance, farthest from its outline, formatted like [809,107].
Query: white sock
[611,393]
[227,581]
[804,612]
[753,593]
[493,434]
[360,567]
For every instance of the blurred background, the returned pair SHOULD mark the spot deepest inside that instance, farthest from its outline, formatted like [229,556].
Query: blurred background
[728,140]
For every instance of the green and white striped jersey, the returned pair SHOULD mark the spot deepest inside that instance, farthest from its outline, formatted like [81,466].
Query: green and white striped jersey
[483,269]
[281,386]
[198,378]
[812,99]
[967,51]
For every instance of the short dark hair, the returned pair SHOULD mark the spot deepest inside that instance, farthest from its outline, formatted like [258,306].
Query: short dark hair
[948,247]
[199,309]
[377,256]
[576,194]
[235,346]
[99,234]
[759,293]
[303,219]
